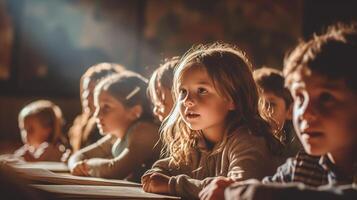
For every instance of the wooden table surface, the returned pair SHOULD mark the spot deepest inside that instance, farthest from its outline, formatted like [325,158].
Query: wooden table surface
[55,180]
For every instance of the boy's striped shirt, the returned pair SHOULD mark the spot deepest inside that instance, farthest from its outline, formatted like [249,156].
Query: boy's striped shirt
[311,170]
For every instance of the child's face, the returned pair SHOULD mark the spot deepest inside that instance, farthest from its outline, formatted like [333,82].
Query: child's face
[277,106]
[324,115]
[201,107]
[163,103]
[33,132]
[111,115]
[87,95]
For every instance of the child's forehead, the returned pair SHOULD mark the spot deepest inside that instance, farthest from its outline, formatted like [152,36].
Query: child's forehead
[194,73]
[312,80]
[32,119]
[193,67]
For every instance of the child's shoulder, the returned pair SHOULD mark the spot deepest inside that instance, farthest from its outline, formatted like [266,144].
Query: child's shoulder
[144,129]
[145,126]
[243,136]
[243,140]
[302,162]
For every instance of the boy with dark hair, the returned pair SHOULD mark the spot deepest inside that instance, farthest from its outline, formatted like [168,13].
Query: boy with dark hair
[278,101]
[320,74]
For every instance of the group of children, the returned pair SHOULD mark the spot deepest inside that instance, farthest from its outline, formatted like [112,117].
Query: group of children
[225,129]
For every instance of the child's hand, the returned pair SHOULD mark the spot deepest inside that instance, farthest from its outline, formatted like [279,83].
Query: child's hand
[145,182]
[28,156]
[66,155]
[215,190]
[156,183]
[145,178]
[80,169]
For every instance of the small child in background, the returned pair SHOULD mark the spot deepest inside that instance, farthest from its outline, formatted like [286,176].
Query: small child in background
[123,114]
[216,127]
[84,131]
[41,123]
[279,103]
[321,75]
[159,89]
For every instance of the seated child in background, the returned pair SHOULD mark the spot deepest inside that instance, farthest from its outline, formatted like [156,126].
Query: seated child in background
[279,102]
[215,127]
[320,74]
[41,123]
[84,131]
[124,115]
[159,89]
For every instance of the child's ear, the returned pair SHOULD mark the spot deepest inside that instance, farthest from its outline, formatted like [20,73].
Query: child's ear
[136,112]
[289,113]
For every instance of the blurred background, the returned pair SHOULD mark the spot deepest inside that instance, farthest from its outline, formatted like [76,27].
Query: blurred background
[45,46]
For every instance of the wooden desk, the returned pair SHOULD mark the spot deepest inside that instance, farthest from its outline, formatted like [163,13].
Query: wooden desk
[99,192]
[43,176]
[66,186]
[51,166]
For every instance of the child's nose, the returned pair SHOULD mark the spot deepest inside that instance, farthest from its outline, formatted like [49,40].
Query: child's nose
[189,102]
[310,112]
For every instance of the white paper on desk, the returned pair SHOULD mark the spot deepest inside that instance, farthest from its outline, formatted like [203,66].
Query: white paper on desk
[36,175]
[52,166]
[102,192]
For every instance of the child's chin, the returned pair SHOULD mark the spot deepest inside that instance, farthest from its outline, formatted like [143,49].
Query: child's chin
[193,127]
[314,151]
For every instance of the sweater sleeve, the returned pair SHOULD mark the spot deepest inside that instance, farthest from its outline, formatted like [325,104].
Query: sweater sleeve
[140,148]
[100,149]
[161,166]
[249,157]
[245,157]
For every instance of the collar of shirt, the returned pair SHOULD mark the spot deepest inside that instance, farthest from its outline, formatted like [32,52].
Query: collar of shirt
[334,177]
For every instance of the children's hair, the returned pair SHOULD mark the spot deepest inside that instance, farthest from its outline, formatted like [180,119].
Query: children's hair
[162,77]
[129,88]
[49,115]
[332,55]
[272,80]
[99,71]
[231,74]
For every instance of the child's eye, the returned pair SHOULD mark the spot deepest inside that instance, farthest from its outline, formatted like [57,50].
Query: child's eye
[202,91]
[182,93]
[105,108]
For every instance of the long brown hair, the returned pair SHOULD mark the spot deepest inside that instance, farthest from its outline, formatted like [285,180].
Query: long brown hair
[162,77]
[231,73]
[97,72]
